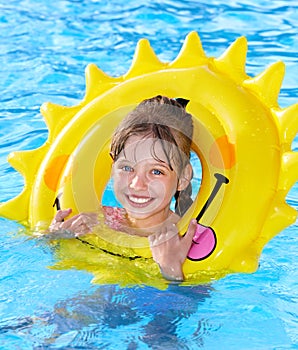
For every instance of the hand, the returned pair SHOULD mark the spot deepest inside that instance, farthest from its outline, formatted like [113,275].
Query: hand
[79,224]
[170,250]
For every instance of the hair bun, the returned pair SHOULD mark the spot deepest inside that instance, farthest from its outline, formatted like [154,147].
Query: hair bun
[182,101]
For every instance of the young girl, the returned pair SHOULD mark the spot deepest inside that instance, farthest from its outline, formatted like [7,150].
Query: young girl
[150,151]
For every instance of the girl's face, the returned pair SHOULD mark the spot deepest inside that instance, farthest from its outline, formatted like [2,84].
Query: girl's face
[144,184]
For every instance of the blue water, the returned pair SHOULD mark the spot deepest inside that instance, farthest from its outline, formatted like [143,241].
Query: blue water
[44,49]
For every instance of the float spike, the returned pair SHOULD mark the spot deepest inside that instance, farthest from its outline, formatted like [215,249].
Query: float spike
[267,84]
[233,60]
[23,160]
[289,170]
[144,60]
[282,215]
[97,82]
[21,202]
[288,123]
[191,54]
[50,111]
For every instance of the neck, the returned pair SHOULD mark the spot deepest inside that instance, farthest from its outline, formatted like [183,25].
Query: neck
[149,225]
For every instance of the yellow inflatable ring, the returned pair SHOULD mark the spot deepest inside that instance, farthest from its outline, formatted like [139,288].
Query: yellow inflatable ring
[242,138]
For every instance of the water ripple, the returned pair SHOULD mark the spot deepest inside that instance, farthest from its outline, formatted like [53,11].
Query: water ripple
[44,49]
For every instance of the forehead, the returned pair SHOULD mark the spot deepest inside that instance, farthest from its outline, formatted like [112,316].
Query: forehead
[139,148]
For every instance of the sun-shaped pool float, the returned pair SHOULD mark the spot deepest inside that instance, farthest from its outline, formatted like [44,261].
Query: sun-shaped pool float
[242,138]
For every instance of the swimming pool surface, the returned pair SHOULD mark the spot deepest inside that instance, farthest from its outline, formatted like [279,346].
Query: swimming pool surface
[44,48]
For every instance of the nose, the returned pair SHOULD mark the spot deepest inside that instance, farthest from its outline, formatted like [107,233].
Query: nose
[138,182]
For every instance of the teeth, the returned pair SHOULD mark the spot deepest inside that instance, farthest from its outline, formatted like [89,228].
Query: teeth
[139,200]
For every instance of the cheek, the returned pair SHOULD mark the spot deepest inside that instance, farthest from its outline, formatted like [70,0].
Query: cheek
[172,187]
[121,184]
[165,189]
[119,181]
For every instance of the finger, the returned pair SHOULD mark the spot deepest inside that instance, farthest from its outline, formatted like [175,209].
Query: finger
[67,224]
[62,214]
[190,232]
[171,233]
[90,219]
[92,216]
[152,239]
[81,225]
[58,221]
[81,230]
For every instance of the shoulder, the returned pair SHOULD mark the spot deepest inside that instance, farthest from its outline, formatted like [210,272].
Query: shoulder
[115,217]
[114,211]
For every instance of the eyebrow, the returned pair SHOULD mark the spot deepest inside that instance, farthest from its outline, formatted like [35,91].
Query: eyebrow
[156,162]
[123,160]
[161,164]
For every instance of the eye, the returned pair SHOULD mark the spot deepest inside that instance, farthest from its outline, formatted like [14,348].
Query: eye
[157,172]
[127,168]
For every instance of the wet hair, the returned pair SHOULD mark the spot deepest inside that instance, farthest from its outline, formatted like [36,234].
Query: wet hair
[165,120]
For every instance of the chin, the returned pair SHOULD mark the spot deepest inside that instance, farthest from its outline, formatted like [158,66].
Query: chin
[137,215]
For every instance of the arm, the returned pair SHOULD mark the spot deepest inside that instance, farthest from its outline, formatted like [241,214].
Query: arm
[170,250]
[79,224]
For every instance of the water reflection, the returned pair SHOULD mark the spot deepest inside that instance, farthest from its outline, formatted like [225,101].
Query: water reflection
[112,316]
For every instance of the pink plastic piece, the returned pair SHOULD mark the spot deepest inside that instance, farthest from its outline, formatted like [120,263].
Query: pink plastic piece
[203,243]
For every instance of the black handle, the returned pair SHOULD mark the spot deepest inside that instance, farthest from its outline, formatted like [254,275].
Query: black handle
[221,179]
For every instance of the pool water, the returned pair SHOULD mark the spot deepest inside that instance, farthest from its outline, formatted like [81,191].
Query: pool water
[44,48]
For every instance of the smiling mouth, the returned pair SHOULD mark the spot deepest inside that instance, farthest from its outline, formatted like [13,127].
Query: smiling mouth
[139,201]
